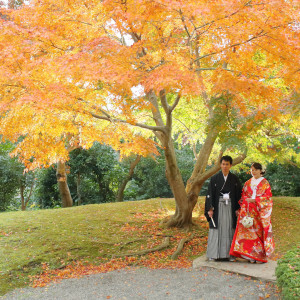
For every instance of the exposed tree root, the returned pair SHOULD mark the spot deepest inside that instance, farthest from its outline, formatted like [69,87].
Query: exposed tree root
[165,244]
[180,246]
[188,228]
[196,225]
[130,242]
[141,239]
[164,221]
[170,222]
[165,235]
[174,222]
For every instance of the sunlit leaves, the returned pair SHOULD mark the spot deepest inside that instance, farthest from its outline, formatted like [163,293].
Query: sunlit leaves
[65,61]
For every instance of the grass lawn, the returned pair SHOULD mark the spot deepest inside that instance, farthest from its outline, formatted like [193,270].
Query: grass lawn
[87,239]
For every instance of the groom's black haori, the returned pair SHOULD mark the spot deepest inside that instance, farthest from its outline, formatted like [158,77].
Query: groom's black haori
[215,189]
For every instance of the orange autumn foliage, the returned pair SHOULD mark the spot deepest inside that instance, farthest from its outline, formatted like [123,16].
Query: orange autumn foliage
[68,69]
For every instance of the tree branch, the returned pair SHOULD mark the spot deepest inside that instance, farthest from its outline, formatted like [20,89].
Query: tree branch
[156,66]
[167,109]
[53,45]
[220,156]
[78,21]
[260,34]
[112,36]
[239,159]
[211,69]
[207,174]
[226,16]
[238,72]
[163,98]
[152,128]
[183,21]
[231,46]
[14,85]
[185,125]
[30,193]
[292,163]
[155,109]
[175,103]
[195,151]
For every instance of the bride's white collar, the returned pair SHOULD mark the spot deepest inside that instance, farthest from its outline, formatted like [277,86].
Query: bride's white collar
[255,181]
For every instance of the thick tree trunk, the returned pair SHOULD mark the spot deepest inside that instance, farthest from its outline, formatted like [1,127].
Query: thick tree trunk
[202,158]
[63,187]
[120,194]
[185,198]
[184,208]
[196,181]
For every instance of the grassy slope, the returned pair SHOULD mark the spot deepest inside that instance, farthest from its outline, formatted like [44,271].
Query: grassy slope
[94,233]
[286,223]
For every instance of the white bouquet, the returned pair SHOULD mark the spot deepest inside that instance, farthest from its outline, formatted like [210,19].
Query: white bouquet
[247,221]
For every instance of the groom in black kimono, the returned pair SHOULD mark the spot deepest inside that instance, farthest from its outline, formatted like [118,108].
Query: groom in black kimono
[221,210]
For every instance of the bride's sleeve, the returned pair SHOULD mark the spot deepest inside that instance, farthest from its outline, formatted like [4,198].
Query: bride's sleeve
[264,196]
[244,193]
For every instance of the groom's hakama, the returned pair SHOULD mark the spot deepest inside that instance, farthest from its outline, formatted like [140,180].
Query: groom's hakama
[219,239]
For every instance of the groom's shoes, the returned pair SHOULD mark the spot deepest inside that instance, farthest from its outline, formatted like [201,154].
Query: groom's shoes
[232,259]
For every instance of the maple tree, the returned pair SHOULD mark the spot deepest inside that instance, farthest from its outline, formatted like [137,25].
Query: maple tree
[43,144]
[120,72]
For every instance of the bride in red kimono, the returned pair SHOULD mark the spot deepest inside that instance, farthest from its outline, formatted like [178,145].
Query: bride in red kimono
[254,241]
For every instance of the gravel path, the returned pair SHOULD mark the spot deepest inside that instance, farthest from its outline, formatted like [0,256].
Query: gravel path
[141,283]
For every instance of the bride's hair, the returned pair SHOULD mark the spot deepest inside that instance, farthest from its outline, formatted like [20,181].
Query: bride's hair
[258,166]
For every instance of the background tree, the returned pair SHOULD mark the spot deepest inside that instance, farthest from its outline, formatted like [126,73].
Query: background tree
[46,192]
[148,180]
[26,183]
[63,187]
[284,179]
[8,177]
[98,170]
[16,188]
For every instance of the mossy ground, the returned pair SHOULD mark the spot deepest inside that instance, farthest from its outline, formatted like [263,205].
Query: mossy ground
[94,234]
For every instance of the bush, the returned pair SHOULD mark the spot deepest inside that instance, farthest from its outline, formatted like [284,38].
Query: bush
[287,273]
[46,192]
[10,170]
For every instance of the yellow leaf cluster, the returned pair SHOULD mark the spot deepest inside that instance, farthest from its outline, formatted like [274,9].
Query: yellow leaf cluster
[64,62]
